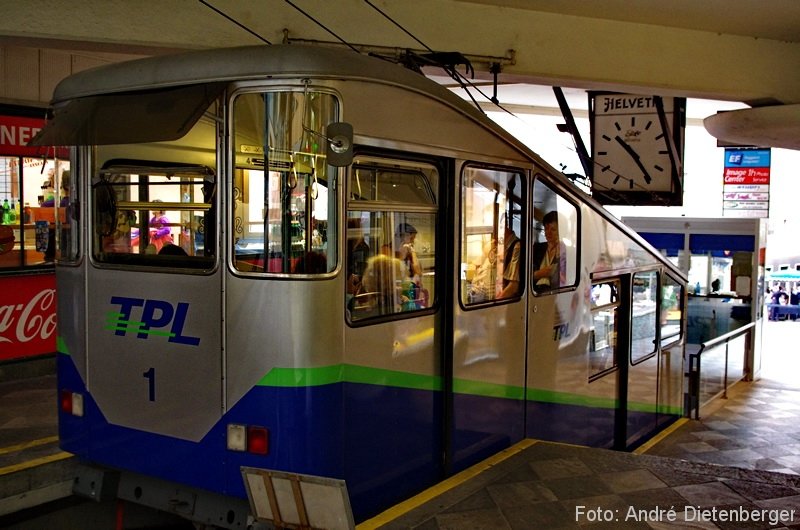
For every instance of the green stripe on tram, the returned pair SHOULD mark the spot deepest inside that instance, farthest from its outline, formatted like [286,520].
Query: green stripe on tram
[564,398]
[350,373]
[61,345]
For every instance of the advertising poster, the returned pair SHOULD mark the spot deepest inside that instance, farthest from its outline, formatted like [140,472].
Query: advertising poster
[745,189]
[27,316]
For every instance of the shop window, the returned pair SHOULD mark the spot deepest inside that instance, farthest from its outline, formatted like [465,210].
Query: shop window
[492,248]
[35,210]
[284,200]
[603,333]
[554,258]
[643,315]
[391,238]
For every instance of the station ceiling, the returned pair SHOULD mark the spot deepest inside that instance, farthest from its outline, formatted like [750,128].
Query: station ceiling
[734,50]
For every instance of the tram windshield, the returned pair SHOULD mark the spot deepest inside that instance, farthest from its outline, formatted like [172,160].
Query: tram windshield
[284,201]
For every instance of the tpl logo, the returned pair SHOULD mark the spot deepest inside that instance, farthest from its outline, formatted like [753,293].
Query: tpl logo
[154,317]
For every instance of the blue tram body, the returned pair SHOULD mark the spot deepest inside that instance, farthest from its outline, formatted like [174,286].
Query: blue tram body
[381,306]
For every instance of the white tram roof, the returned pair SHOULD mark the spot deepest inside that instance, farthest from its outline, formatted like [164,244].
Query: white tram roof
[160,98]
[234,64]
[115,103]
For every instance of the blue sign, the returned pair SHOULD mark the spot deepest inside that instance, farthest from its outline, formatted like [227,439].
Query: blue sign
[747,157]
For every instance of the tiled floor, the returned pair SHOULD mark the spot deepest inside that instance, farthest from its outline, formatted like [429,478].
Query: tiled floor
[555,486]
[758,426]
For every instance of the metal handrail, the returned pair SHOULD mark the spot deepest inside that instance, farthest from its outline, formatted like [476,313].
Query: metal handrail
[726,337]
[694,366]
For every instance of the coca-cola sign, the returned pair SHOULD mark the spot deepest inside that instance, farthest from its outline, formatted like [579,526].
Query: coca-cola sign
[27,316]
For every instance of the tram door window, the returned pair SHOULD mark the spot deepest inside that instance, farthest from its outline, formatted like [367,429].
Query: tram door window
[35,212]
[491,250]
[644,315]
[391,237]
[671,310]
[555,244]
[603,340]
[284,217]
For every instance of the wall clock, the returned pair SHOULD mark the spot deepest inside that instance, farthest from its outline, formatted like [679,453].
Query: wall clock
[637,154]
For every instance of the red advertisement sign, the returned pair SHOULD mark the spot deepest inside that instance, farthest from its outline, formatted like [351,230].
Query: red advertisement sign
[16,132]
[27,316]
[746,175]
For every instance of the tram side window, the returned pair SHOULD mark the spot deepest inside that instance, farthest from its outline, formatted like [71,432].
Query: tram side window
[391,238]
[36,223]
[153,216]
[644,315]
[555,259]
[154,204]
[491,249]
[284,216]
[671,310]
[605,322]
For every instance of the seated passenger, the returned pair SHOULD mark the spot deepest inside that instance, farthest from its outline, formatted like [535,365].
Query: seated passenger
[160,231]
[382,281]
[125,236]
[483,284]
[171,249]
[311,263]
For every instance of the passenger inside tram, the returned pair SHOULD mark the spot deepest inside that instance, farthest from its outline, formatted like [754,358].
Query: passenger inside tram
[549,256]
[511,258]
[382,283]
[483,281]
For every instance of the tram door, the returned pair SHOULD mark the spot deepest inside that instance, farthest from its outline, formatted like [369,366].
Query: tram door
[392,335]
[642,388]
[577,366]
[488,352]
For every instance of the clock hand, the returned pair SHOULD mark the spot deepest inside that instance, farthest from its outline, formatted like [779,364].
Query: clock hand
[635,156]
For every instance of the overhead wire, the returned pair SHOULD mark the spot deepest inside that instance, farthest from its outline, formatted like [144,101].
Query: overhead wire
[231,19]
[320,24]
[450,69]
[404,30]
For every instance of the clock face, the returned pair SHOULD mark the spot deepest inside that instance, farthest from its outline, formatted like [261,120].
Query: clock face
[629,147]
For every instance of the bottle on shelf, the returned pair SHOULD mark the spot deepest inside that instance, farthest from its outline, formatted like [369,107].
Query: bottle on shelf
[6,212]
[27,214]
[12,213]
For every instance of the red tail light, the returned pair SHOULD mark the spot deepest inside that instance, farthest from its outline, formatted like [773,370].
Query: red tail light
[71,403]
[257,440]
[250,438]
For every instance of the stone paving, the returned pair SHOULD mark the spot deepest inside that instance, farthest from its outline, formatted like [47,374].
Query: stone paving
[737,467]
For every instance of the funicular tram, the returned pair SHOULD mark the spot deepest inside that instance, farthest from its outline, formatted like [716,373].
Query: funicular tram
[349,288]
